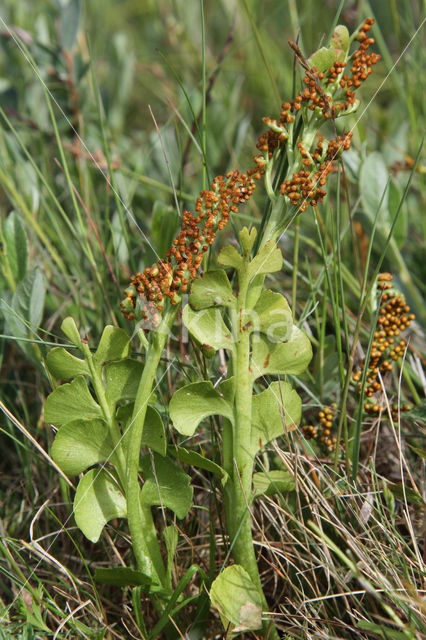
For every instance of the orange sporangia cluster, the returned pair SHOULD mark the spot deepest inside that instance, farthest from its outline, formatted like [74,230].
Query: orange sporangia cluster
[338,145]
[395,409]
[394,317]
[313,96]
[322,431]
[362,60]
[169,278]
[269,141]
[305,187]
[328,94]
[335,71]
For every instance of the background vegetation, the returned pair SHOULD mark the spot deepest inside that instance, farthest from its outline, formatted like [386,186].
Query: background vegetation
[98,149]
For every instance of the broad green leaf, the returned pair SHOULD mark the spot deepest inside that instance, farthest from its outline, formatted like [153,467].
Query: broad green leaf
[70,18]
[229,257]
[30,295]
[237,599]
[271,482]
[340,41]
[275,410]
[194,459]
[26,311]
[64,366]
[154,434]
[247,239]
[79,444]
[164,227]
[98,500]
[272,316]
[16,246]
[71,401]
[268,260]
[207,326]
[121,577]
[122,380]
[373,186]
[166,485]
[323,59]
[114,345]
[211,290]
[290,357]
[23,313]
[69,328]
[194,402]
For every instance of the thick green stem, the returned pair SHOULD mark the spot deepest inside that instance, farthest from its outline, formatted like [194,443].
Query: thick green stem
[240,521]
[145,545]
[239,494]
[98,385]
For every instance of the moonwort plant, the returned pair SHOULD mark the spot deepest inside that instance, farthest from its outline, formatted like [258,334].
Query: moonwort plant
[108,426]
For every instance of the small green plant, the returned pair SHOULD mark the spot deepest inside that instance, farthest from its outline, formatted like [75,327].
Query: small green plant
[109,428]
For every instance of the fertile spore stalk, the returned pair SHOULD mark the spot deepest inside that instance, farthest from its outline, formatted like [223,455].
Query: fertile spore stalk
[331,78]
[169,278]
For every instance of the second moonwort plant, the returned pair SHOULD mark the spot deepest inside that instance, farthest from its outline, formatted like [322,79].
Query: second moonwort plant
[109,429]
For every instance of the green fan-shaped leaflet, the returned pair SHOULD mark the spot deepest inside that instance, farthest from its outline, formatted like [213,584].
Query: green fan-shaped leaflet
[272,482]
[71,401]
[237,599]
[272,316]
[194,402]
[153,436]
[207,326]
[166,485]
[122,380]
[64,366]
[229,257]
[69,328]
[268,260]
[291,357]
[275,410]
[98,500]
[113,345]
[211,290]
[79,444]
